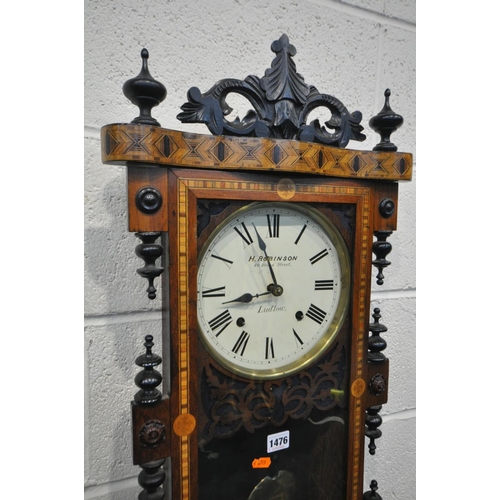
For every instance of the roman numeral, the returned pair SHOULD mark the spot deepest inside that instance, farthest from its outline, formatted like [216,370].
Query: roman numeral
[273,224]
[296,335]
[221,321]
[316,314]
[241,343]
[246,235]
[319,256]
[214,292]
[300,234]
[221,258]
[323,285]
[269,348]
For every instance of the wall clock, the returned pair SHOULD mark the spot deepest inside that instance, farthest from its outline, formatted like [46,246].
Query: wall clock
[276,367]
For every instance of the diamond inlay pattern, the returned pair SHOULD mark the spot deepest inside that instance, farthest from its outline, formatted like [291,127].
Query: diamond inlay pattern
[131,142]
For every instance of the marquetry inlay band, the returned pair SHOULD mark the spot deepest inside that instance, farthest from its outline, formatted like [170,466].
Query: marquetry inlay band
[122,143]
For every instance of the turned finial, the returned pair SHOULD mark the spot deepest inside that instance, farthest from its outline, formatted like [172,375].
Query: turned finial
[149,251]
[376,344]
[372,494]
[385,123]
[148,379]
[145,92]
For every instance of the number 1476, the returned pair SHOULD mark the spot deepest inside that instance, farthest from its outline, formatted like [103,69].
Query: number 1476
[278,441]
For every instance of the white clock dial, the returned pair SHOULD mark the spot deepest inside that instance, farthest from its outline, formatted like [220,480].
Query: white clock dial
[273,287]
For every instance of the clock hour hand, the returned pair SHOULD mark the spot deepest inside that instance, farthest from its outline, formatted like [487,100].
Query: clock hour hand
[276,289]
[246,298]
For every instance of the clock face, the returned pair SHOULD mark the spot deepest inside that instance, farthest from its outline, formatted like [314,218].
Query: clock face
[273,288]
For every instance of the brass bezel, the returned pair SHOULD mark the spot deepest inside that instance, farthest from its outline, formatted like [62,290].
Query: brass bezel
[318,349]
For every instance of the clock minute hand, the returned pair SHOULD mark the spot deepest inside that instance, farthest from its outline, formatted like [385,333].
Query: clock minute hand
[247,297]
[263,247]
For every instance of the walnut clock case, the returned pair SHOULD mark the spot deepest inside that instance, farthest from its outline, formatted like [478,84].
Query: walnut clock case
[276,361]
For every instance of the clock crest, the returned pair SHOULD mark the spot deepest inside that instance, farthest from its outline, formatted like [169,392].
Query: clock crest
[282,102]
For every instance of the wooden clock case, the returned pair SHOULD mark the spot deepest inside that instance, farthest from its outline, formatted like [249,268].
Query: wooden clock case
[184,184]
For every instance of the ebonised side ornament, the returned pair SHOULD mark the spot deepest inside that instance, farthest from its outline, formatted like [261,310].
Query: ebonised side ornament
[153,432]
[373,421]
[387,208]
[376,344]
[148,200]
[381,248]
[372,494]
[377,387]
[146,93]
[149,378]
[377,384]
[149,251]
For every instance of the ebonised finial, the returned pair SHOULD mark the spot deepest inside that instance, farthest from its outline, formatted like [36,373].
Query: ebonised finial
[381,248]
[372,423]
[372,494]
[385,123]
[376,344]
[145,92]
[150,429]
[148,379]
[149,251]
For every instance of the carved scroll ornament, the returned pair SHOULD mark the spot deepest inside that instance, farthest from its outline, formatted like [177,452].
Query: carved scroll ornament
[282,102]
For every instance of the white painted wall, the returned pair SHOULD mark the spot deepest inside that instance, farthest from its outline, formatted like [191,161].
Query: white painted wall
[352,49]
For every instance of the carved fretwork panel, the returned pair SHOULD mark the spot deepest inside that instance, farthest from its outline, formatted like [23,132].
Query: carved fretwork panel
[230,404]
